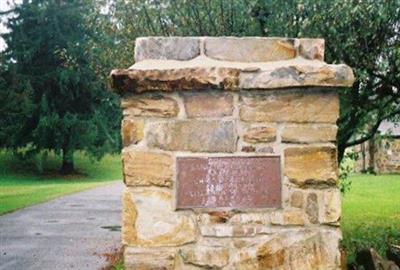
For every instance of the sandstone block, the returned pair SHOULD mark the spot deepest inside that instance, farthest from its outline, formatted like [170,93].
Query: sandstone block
[332,206]
[268,254]
[249,49]
[287,217]
[311,165]
[150,106]
[194,135]
[229,230]
[147,168]
[145,259]
[206,257]
[313,49]
[149,220]
[312,208]
[132,131]
[175,48]
[309,133]
[293,250]
[208,104]
[305,107]
[260,134]
[296,199]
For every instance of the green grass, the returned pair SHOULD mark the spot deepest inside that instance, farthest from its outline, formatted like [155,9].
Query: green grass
[21,185]
[371,213]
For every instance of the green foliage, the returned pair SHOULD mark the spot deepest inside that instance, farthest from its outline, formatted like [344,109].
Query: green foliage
[363,34]
[22,185]
[54,90]
[345,169]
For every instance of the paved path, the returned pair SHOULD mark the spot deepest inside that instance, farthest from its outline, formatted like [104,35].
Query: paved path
[67,233]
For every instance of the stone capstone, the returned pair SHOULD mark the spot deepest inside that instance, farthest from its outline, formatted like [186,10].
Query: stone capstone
[193,135]
[204,73]
[147,168]
[149,220]
[311,165]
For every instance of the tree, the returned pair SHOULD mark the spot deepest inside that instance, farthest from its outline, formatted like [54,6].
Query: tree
[51,64]
[361,33]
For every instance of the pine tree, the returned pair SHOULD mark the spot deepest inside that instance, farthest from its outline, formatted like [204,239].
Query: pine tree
[52,65]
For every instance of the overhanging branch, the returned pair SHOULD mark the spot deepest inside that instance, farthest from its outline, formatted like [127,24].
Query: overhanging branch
[373,130]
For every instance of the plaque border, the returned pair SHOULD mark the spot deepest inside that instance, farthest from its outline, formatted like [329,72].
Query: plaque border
[219,155]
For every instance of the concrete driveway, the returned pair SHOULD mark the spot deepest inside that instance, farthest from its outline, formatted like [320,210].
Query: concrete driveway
[66,233]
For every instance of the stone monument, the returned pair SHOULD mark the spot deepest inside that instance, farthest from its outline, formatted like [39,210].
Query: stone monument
[229,154]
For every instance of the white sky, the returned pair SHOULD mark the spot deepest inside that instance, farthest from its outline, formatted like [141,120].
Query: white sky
[4,5]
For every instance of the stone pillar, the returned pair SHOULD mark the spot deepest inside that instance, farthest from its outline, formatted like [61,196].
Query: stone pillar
[221,102]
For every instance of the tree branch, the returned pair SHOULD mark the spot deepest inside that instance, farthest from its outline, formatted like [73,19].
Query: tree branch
[373,130]
[7,12]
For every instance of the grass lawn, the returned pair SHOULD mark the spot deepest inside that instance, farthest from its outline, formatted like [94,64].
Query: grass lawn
[21,185]
[371,213]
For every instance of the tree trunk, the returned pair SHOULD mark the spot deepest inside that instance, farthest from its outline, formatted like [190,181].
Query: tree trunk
[67,166]
[341,149]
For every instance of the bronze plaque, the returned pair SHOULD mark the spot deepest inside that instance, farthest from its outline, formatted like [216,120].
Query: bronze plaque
[232,182]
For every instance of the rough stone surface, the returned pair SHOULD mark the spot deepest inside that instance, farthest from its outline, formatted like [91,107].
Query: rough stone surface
[295,76]
[176,48]
[332,206]
[155,106]
[312,48]
[283,101]
[312,208]
[132,131]
[204,73]
[208,104]
[149,220]
[260,135]
[299,107]
[248,148]
[145,259]
[194,135]
[249,49]
[207,257]
[293,251]
[311,165]
[147,168]
[296,199]
[309,133]
[287,217]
